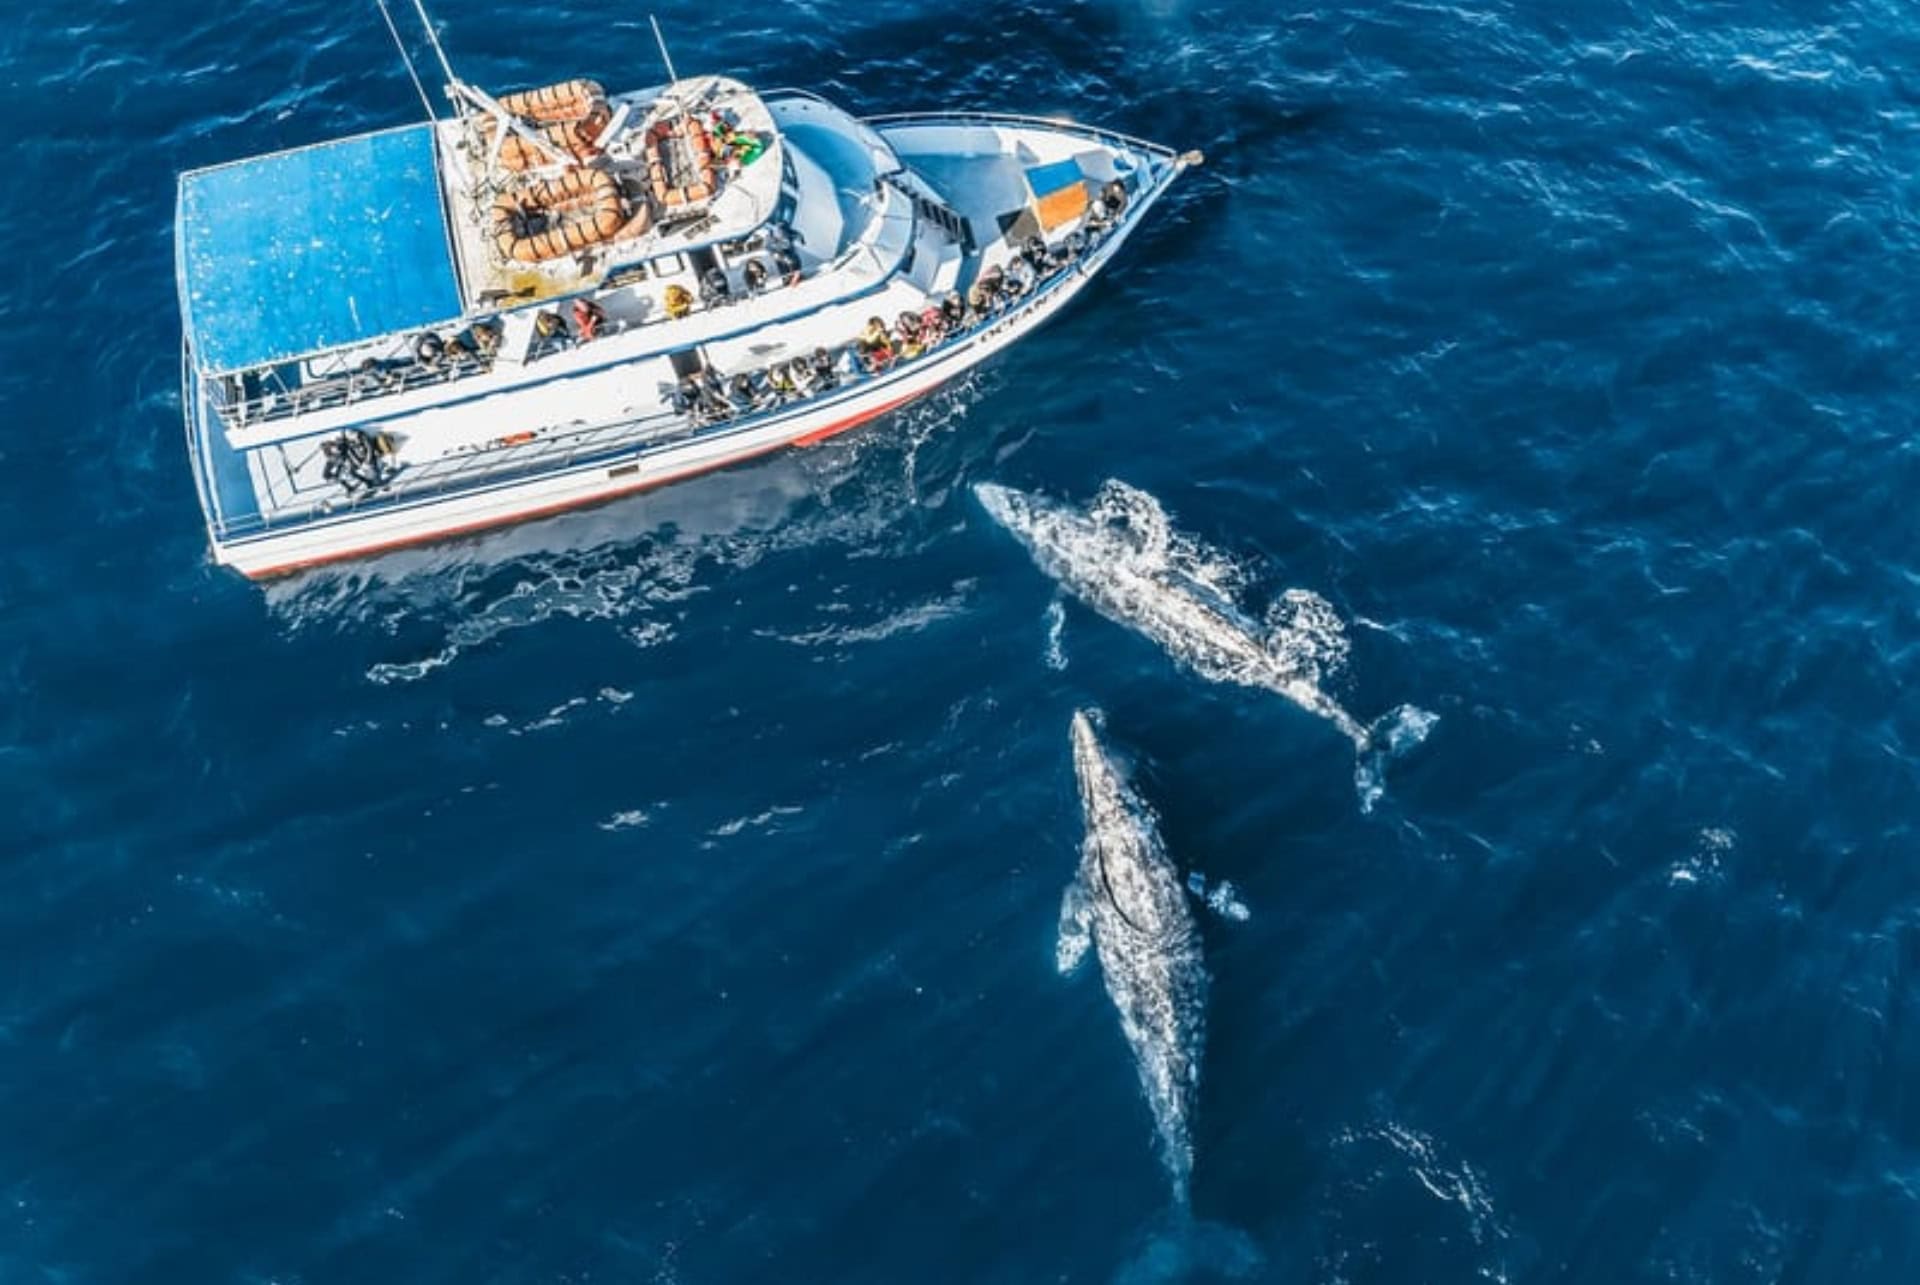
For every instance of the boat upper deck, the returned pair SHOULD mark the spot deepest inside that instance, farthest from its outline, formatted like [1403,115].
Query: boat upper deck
[320,247]
[669,169]
[543,194]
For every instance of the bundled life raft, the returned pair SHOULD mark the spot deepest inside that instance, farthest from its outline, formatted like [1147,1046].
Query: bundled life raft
[696,170]
[534,222]
[569,116]
[549,104]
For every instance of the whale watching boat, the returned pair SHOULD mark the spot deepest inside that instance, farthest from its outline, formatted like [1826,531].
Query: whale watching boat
[561,295]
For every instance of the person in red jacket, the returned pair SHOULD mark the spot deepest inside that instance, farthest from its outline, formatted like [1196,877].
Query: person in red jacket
[588,318]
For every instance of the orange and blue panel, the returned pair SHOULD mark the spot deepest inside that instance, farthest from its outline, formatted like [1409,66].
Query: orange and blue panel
[1059,193]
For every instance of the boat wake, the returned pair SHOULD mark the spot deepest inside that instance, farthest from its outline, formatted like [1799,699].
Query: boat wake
[637,562]
[1122,557]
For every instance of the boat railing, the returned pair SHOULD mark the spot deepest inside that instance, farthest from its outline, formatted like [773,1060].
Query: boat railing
[403,374]
[1101,133]
[492,462]
[327,392]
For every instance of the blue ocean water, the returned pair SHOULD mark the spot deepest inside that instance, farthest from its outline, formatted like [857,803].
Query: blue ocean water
[668,892]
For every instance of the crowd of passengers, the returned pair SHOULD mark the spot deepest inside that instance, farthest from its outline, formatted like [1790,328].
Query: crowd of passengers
[706,398]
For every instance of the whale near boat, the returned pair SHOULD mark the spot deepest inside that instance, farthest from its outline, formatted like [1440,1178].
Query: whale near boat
[550,298]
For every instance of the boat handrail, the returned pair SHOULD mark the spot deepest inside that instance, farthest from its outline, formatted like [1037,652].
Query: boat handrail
[405,374]
[893,157]
[327,392]
[1016,119]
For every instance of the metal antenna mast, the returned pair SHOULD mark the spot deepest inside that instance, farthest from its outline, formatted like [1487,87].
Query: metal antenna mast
[433,38]
[406,60]
[665,57]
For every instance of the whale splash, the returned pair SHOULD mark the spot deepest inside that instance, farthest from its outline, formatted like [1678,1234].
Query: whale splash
[1127,902]
[1122,558]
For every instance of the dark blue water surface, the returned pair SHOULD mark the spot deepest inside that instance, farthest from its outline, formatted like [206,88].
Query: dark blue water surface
[667,892]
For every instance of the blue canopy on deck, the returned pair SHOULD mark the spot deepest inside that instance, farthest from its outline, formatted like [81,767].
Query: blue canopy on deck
[286,255]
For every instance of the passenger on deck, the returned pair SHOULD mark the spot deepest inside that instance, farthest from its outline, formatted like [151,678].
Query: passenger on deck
[1019,280]
[800,370]
[550,330]
[933,324]
[993,282]
[430,350]
[357,460]
[780,382]
[1033,253]
[786,264]
[713,398]
[754,274]
[876,346]
[685,397]
[588,318]
[713,286]
[483,340]
[679,301]
[1107,208]
[954,309]
[824,375]
[739,147]
[742,394]
[371,376]
[913,340]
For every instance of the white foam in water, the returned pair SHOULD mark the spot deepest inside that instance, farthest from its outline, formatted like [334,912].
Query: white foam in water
[1122,557]
[630,819]
[1455,1182]
[1712,843]
[1056,653]
[1225,901]
[1222,898]
[638,585]
[912,619]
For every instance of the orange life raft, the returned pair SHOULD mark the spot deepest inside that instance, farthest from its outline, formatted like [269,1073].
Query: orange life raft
[704,179]
[568,100]
[534,222]
[570,116]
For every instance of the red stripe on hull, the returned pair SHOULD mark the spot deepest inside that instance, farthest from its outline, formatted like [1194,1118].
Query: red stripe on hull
[528,515]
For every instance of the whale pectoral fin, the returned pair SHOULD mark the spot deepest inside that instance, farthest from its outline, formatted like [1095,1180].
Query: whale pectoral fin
[1076,929]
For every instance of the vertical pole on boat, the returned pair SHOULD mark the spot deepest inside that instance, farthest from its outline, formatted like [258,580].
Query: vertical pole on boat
[665,57]
[406,60]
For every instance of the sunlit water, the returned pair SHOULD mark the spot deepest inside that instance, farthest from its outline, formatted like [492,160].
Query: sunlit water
[668,892]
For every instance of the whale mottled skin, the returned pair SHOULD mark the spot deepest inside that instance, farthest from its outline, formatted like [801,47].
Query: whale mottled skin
[1127,901]
[1122,569]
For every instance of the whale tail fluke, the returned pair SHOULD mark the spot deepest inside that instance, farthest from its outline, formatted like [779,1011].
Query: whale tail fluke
[1184,1248]
[1389,736]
